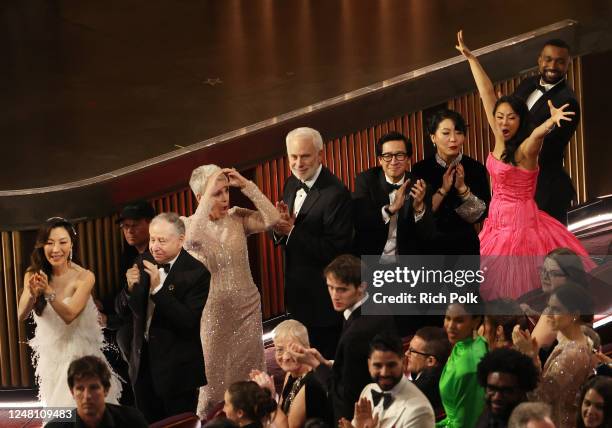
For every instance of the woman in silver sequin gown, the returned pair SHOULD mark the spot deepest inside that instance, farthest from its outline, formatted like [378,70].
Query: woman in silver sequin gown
[231,326]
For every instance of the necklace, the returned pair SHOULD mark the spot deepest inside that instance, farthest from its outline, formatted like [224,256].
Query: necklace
[295,388]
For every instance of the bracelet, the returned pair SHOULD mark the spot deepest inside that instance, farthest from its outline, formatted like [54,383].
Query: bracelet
[50,297]
[441,192]
[467,190]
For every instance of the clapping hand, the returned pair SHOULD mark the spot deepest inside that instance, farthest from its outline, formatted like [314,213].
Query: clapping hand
[447,179]
[363,414]
[418,194]
[524,342]
[39,284]
[153,272]
[559,114]
[264,380]
[460,179]
[400,197]
[462,47]
[132,276]
[286,222]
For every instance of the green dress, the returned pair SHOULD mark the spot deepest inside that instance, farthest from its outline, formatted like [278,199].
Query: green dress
[462,396]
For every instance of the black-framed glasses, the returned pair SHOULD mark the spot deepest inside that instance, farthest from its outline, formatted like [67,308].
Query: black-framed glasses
[414,351]
[400,156]
[505,390]
[555,273]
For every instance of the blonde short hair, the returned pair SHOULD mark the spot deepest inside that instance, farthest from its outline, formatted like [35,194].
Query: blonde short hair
[200,176]
[292,329]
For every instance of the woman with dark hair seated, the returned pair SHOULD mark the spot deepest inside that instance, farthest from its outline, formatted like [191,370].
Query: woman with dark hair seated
[501,315]
[457,184]
[462,396]
[516,235]
[57,291]
[595,403]
[249,405]
[571,361]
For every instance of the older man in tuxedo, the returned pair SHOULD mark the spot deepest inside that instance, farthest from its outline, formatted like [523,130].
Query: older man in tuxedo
[165,295]
[554,191]
[315,227]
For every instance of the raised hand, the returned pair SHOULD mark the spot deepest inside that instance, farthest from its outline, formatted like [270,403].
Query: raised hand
[309,356]
[264,380]
[462,47]
[215,182]
[235,178]
[447,179]
[283,210]
[559,114]
[400,197]
[153,272]
[363,414]
[524,342]
[460,179]
[418,195]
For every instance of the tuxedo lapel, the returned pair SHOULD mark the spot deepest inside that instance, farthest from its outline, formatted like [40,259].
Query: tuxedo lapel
[540,108]
[290,190]
[310,200]
[382,196]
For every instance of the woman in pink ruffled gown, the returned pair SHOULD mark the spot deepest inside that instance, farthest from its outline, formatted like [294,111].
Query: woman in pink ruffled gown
[516,235]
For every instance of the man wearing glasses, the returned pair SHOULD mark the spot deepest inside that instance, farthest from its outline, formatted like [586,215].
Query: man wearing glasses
[425,358]
[389,211]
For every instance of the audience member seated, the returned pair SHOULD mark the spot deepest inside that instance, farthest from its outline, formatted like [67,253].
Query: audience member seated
[221,423]
[425,358]
[347,374]
[249,405]
[501,315]
[89,383]
[462,396]
[531,415]
[391,400]
[507,376]
[595,403]
[303,396]
[571,361]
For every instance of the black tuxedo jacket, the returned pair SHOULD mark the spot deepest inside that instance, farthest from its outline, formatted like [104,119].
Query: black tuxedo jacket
[175,349]
[371,232]
[554,190]
[429,384]
[350,374]
[322,231]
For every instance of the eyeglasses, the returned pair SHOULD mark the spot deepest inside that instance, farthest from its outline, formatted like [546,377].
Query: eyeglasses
[505,390]
[400,156]
[414,351]
[551,273]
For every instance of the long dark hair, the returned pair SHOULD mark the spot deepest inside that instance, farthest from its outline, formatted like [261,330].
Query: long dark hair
[38,260]
[524,130]
[603,386]
[443,114]
[570,263]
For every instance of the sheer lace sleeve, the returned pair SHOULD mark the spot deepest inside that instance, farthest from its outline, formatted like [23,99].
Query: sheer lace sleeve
[471,209]
[196,227]
[266,215]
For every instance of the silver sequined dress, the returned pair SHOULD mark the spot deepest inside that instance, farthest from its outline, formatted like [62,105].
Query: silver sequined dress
[231,326]
[565,370]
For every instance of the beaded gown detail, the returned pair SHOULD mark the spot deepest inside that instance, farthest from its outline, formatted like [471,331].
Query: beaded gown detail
[56,344]
[566,369]
[516,227]
[231,325]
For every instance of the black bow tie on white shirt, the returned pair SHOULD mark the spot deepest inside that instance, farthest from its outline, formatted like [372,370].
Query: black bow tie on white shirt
[164,266]
[303,186]
[541,88]
[385,396]
[391,187]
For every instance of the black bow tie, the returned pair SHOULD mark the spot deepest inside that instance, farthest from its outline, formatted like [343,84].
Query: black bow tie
[541,88]
[303,186]
[164,266]
[385,396]
[391,187]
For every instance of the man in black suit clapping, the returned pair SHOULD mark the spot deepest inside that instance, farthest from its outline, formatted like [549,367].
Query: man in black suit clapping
[165,295]
[316,226]
[554,191]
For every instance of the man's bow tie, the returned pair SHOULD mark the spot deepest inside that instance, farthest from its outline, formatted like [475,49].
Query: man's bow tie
[391,187]
[385,396]
[303,186]
[541,88]
[164,266]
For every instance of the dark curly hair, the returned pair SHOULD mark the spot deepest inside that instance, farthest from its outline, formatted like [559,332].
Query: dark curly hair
[511,361]
[38,260]
[524,130]
[255,402]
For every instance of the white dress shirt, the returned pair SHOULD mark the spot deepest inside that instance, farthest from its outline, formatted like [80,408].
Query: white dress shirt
[410,407]
[347,312]
[300,196]
[151,304]
[537,94]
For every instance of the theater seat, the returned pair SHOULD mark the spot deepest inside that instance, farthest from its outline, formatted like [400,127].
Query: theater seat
[184,420]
